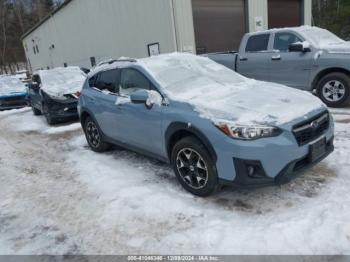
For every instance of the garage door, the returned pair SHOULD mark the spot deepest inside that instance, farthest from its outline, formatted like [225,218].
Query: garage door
[218,24]
[284,13]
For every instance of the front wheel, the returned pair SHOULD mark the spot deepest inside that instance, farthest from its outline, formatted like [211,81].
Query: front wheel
[94,137]
[194,168]
[36,111]
[49,119]
[334,89]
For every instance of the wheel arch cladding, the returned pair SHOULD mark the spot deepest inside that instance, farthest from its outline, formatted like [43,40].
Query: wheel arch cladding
[83,116]
[179,130]
[327,71]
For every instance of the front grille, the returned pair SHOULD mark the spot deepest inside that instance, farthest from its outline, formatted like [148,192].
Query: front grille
[311,129]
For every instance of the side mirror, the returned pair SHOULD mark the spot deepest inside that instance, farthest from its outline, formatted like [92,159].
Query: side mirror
[300,47]
[35,86]
[147,97]
[139,96]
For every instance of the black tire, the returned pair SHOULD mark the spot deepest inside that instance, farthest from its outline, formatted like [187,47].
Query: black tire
[336,81]
[36,111]
[49,119]
[94,137]
[189,174]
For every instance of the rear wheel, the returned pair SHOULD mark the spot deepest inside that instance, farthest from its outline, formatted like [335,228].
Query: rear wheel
[94,137]
[334,89]
[194,167]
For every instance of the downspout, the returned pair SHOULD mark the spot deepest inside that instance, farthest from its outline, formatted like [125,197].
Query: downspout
[174,25]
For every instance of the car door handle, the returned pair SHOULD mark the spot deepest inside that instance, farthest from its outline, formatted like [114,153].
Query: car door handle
[243,59]
[276,57]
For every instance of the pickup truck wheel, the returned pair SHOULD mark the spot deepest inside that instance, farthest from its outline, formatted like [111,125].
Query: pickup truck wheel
[94,137]
[194,167]
[334,89]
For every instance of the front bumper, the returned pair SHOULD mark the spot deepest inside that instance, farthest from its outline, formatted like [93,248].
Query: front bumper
[13,102]
[288,173]
[64,111]
[277,159]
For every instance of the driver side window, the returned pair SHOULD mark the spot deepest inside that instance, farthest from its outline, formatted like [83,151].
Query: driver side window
[284,40]
[132,80]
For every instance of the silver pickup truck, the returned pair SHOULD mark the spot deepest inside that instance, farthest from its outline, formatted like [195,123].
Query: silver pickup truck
[308,58]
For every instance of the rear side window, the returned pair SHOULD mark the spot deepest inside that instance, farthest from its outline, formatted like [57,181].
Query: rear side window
[92,81]
[284,40]
[107,80]
[257,43]
[132,80]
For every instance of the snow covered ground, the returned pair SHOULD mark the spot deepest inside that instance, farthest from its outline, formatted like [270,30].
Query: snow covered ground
[58,197]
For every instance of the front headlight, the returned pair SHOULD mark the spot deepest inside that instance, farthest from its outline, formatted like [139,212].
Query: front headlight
[246,132]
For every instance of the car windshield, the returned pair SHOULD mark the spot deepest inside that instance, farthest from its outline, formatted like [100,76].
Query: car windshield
[60,81]
[320,37]
[181,72]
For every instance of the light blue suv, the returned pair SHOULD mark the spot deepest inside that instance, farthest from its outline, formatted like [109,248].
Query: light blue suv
[211,124]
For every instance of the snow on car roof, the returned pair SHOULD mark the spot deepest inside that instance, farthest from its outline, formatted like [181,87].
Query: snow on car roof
[62,80]
[111,64]
[218,92]
[10,85]
[318,37]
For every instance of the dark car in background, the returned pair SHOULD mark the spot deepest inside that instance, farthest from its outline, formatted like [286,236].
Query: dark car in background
[54,93]
[13,93]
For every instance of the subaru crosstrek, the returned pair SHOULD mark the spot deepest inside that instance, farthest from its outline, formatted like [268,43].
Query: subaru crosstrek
[211,124]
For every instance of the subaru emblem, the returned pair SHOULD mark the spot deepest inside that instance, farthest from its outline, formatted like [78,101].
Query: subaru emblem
[315,124]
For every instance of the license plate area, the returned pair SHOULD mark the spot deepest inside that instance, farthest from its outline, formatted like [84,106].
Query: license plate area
[318,149]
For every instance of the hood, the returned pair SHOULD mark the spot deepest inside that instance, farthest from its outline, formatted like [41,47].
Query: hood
[61,81]
[217,92]
[339,48]
[253,102]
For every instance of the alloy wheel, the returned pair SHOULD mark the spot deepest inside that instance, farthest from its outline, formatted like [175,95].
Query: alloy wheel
[192,168]
[333,91]
[93,135]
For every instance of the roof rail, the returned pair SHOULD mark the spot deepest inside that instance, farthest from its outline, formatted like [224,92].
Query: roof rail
[111,61]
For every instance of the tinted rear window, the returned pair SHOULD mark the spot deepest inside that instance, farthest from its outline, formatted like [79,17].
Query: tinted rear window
[257,43]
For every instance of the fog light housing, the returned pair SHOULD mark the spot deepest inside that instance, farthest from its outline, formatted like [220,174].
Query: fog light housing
[251,169]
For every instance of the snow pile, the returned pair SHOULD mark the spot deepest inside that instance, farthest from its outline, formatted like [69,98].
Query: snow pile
[61,81]
[10,85]
[217,92]
[119,202]
[23,120]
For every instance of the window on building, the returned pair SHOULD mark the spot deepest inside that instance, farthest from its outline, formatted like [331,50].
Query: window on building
[93,61]
[284,40]
[107,80]
[257,43]
[132,80]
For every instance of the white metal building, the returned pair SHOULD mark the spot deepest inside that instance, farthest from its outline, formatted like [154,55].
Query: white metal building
[84,32]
